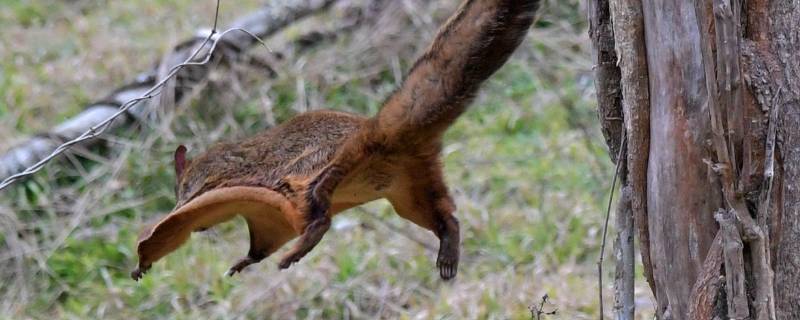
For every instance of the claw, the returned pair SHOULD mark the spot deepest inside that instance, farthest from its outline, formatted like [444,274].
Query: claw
[288,261]
[447,270]
[139,273]
[311,236]
[447,261]
[240,265]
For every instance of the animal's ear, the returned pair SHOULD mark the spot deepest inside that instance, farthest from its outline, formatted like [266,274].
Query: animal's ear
[180,160]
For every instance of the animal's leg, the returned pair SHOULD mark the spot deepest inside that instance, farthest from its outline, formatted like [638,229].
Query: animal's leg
[262,244]
[268,232]
[311,236]
[318,198]
[426,202]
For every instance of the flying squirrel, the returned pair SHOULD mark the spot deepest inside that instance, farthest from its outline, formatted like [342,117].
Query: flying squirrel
[290,180]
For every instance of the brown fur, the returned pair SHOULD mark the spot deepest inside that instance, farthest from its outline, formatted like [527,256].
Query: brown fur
[320,163]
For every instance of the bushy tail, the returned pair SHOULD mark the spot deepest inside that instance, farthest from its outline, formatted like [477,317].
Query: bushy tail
[469,48]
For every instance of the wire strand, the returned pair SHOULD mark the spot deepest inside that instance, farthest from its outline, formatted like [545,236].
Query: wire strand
[154,91]
[605,225]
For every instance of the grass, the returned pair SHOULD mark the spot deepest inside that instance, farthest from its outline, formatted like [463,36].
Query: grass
[529,183]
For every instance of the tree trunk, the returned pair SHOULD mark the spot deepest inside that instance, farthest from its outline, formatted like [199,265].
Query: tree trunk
[711,106]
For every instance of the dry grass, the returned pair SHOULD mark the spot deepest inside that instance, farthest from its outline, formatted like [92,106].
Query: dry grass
[528,182]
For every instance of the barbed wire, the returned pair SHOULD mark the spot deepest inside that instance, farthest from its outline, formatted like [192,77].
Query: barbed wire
[214,37]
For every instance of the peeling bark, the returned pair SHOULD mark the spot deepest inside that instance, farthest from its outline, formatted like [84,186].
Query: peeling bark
[624,256]
[785,43]
[681,193]
[732,248]
[610,112]
[724,132]
[705,291]
[726,112]
[629,42]
[607,75]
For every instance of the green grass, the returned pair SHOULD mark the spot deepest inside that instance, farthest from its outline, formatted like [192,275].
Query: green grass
[529,183]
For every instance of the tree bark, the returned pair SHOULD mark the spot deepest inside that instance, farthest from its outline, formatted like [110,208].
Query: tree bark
[629,43]
[702,301]
[681,197]
[607,75]
[624,305]
[723,118]
[784,44]
[734,266]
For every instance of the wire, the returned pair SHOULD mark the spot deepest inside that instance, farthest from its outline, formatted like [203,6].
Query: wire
[101,127]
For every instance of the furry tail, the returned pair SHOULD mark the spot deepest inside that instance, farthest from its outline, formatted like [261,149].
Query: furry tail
[469,48]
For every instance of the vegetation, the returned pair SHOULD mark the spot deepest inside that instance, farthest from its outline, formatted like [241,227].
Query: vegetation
[527,165]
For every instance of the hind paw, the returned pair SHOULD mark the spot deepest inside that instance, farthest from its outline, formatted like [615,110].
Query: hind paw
[447,262]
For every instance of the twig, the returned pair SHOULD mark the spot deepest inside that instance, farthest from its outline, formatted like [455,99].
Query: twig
[538,311]
[605,225]
[155,90]
[216,17]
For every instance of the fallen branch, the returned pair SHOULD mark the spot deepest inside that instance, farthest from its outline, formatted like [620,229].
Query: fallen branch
[127,104]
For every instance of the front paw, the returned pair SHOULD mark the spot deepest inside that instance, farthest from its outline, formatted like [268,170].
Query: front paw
[288,260]
[240,265]
[139,272]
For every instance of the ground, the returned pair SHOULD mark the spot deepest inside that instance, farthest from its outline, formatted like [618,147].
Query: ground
[526,164]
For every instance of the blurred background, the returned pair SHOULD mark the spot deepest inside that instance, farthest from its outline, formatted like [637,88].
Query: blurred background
[527,166]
